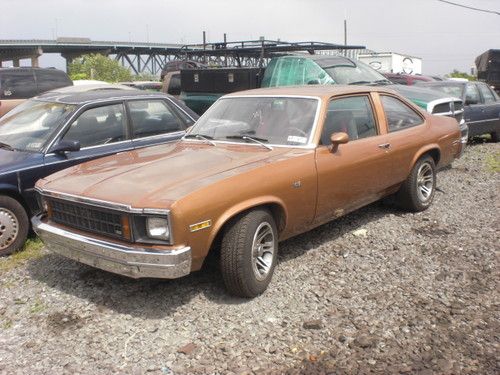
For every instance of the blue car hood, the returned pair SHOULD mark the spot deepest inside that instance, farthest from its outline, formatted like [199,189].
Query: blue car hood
[12,161]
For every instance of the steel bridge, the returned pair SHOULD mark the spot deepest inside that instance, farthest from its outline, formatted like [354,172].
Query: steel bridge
[152,57]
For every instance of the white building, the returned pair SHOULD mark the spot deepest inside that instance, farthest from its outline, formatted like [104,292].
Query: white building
[391,62]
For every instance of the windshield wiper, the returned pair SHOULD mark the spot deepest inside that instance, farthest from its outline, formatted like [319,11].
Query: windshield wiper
[6,146]
[201,136]
[383,82]
[360,83]
[258,140]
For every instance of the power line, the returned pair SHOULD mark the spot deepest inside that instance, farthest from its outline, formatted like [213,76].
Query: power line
[469,7]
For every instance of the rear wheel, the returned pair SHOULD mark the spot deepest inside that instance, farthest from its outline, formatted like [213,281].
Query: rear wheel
[14,225]
[494,136]
[249,252]
[417,192]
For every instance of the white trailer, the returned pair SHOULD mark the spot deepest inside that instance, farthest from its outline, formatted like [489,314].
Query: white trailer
[391,62]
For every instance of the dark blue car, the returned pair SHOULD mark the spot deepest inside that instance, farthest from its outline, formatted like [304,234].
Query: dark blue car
[481,105]
[70,126]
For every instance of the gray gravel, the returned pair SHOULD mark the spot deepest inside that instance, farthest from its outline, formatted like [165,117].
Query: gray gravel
[378,291]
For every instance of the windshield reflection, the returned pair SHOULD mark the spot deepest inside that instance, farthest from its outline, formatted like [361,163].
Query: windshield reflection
[271,120]
[28,126]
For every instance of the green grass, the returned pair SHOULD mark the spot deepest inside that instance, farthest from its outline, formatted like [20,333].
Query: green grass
[493,162]
[31,250]
[37,307]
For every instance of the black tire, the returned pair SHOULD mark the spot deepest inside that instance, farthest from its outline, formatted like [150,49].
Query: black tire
[240,269]
[412,196]
[14,225]
[494,136]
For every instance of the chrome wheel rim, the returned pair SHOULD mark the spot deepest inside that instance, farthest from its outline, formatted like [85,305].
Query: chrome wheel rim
[9,228]
[263,250]
[425,182]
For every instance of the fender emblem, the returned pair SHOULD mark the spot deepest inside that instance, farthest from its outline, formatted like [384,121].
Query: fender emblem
[201,225]
[297,184]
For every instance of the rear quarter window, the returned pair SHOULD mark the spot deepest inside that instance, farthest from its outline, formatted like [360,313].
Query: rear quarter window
[399,116]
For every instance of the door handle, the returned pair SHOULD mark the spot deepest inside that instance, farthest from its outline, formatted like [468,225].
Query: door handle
[384,146]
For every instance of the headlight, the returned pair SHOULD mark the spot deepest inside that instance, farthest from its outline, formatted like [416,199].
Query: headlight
[157,228]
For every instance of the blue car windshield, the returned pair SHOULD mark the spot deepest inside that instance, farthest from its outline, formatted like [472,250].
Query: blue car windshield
[29,126]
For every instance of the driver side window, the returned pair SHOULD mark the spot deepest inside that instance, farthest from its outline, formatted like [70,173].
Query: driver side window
[352,115]
[471,94]
[98,126]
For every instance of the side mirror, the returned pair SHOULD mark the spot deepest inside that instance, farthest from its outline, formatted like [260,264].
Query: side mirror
[65,146]
[338,139]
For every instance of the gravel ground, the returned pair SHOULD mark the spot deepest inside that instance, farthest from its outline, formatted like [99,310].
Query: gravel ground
[378,291]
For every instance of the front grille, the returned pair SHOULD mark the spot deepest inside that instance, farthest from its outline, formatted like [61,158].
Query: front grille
[441,108]
[87,218]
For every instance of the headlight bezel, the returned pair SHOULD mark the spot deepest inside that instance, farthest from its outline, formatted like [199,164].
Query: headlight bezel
[141,234]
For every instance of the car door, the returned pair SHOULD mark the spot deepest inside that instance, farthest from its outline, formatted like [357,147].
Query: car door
[101,130]
[406,134]
[490,108]
[355,173]
[473,109]
[155,121]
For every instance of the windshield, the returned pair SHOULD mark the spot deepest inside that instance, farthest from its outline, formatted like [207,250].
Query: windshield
[28,126]
[269,120]
[359,74]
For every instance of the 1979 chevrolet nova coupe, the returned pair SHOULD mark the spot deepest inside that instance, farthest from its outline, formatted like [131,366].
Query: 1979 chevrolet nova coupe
[258,167]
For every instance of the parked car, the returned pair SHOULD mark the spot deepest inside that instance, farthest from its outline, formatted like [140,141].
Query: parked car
[258,167]
[19,84]
[69,126]
[407,79]
[482,105]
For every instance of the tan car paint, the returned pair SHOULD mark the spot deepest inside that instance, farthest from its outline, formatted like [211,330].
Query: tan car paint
[7,104]
[304,187]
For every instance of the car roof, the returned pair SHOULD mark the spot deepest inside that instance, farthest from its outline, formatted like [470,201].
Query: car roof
[109,92]
[312,90]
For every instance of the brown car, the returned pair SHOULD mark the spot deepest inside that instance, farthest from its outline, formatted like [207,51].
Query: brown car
[258,167]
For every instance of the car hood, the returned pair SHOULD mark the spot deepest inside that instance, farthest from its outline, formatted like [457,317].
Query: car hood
[13,161]
[418,95]
[155,177]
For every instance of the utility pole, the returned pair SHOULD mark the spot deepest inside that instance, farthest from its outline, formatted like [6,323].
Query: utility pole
[345,32]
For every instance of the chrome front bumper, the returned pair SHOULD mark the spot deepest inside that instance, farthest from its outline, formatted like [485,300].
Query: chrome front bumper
[124,260]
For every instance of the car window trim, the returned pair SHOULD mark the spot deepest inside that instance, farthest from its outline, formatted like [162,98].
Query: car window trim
[169,104]
[62,132]
[163,135]
[389,131]
[372,106]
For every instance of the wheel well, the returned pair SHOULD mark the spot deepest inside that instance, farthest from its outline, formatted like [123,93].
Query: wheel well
[18,197]
[276,210]
[435,154]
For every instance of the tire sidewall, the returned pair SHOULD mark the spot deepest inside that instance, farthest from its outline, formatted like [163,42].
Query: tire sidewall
[22,218]
[258,286]
[419,204]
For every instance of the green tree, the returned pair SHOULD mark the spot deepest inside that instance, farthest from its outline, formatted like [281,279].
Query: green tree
[99,67]
[457,74]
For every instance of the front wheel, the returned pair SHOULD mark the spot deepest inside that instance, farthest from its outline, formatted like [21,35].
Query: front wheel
[249,252]
[417,192]
[14,225]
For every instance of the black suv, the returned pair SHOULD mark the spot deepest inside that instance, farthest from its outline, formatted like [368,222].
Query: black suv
[19,84]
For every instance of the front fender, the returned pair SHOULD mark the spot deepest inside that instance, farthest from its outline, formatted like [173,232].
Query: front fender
[244,206]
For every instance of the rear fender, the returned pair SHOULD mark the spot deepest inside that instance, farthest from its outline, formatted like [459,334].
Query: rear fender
[433,149]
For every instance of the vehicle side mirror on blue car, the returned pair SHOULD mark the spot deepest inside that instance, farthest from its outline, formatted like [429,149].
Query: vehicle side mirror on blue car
[65,146]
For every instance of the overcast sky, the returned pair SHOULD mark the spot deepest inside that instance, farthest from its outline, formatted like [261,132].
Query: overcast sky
[445,36]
